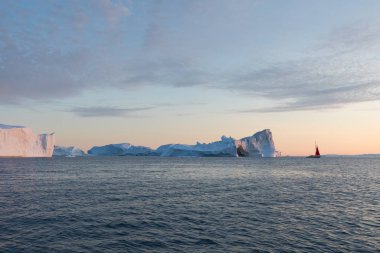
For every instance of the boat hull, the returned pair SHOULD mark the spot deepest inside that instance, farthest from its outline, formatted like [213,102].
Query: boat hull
[313,156]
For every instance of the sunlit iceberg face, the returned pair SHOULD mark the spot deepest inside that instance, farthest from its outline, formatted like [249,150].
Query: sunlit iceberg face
[19,141]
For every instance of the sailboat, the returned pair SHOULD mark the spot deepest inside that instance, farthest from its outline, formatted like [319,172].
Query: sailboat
[316,155]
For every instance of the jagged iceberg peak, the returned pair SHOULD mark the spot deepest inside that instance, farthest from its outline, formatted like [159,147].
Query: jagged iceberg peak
[67,151]
[120,149]
[226,139]
[19,141]
[259,144]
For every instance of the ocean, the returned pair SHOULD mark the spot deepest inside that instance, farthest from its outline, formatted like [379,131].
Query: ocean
[157,204]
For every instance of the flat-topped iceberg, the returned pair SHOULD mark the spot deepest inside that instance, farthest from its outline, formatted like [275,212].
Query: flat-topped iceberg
[19,141]
[120,149]
[67,151]
[258,145]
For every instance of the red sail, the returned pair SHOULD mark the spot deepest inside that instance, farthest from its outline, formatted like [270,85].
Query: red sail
[317,152]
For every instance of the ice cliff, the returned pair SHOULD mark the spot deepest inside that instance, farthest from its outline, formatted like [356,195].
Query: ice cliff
[67,151]
[120,150]
[258,145]
[19,141]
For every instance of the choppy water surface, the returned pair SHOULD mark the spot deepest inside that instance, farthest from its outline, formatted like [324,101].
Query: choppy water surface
[153,204]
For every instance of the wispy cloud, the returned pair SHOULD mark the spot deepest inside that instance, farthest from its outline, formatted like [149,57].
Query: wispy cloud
[165,72]
[114,11]
[362,36]
[326,99]
[311,84]
[345,70]
[72,52]
[45,56]
[108,111]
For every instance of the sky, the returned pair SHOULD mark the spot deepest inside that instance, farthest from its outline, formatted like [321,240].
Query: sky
[97,72]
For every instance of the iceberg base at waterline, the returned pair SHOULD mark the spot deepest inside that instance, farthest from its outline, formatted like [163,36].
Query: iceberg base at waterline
[121,149]
[68,151]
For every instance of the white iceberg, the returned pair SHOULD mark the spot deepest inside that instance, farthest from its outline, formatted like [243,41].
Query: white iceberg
[258,145]
[19,141]
[224,147]
[67,151]
[121,149]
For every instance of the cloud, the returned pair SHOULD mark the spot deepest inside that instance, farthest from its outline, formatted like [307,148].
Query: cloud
[108,111]
[363,36]
[51,54]
[326,99]
[166,72]
[90,45]
[62,56]
[345,71]
[312,83]
[113,11]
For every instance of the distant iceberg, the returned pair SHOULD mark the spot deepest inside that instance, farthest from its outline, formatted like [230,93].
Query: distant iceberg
[19,141]
[67,151]
[258,145]
[121,149]
[224,147]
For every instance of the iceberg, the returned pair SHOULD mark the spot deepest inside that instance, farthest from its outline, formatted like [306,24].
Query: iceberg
[258,145]
[20,141]
[121,149]
[67,151]
[224,147]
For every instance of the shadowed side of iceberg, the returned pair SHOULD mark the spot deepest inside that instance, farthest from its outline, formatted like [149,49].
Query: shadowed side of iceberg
[258,145]
[121,149]
[67,151]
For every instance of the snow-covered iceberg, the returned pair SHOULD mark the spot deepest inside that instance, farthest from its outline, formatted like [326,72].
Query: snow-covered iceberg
[19,141]
[120,149]
[67,151]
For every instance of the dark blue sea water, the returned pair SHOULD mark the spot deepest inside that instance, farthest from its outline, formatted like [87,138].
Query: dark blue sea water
[153,204]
